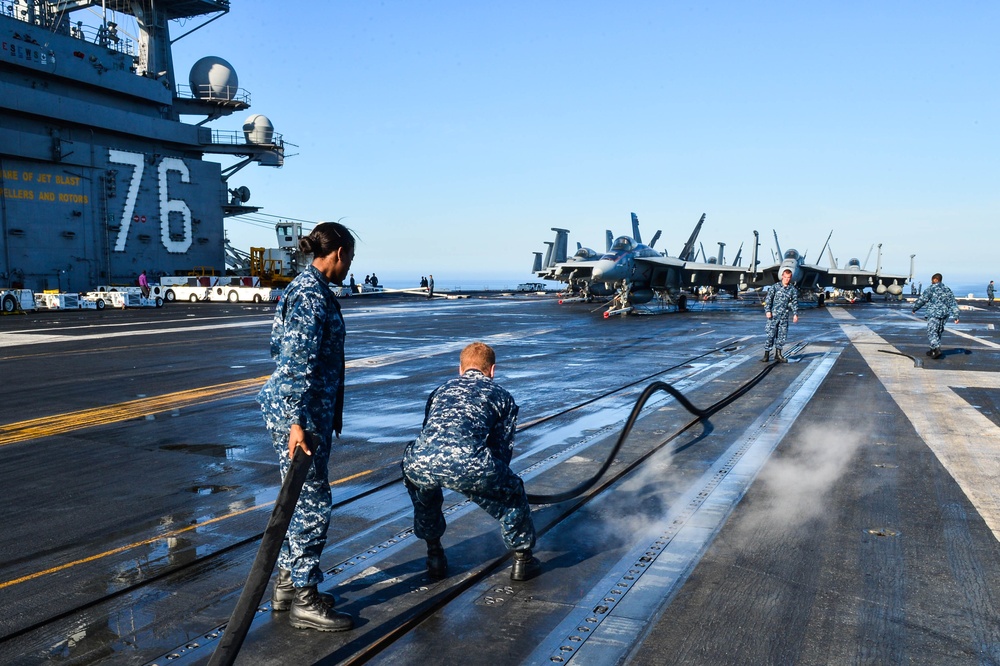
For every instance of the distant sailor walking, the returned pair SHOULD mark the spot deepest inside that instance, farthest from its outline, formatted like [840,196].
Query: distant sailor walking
[990,291]
[780,303]
[430,286]
[941,305]
[303,404]
[466,445]
[144,284]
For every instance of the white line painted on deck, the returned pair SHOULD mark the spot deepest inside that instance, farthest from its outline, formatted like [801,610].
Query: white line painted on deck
[966,442]
[614,615]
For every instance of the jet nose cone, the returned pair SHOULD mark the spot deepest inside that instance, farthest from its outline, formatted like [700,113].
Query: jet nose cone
[792,266]
[606,271]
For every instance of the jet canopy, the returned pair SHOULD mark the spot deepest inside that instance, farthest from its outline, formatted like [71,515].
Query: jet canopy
[623,244]
[792,254]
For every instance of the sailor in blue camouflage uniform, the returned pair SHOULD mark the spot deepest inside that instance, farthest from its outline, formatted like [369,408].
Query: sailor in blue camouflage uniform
[780,303]
[466,445]
[303,404]
[941,305]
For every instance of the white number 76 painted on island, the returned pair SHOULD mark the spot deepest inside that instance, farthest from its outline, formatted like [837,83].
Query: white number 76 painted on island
[167,205]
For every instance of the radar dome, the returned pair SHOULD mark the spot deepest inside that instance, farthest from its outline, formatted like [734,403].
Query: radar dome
[213,78]
[258,129]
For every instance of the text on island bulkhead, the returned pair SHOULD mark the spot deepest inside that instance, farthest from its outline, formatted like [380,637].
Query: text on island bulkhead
[12,175]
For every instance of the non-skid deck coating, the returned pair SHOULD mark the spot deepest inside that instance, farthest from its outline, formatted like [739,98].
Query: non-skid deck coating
[844,510]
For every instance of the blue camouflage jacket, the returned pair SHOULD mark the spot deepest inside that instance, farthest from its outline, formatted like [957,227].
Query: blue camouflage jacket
[940,302]
[469,418]
[781,301]
[307,342]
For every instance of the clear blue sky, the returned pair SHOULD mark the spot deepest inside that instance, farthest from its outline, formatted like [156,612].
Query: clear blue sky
[453,135]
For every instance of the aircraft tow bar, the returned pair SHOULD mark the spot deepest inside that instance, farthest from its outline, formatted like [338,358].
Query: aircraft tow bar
[702,414]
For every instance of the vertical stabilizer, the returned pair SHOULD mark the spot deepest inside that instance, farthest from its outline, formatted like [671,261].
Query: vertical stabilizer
[777,244]
[536,266]
[561,243]
[864,266]
[548,254]
[656,237]
[878,260]
[688,252]
[754,262]
[826,246]
[739,255]
[829,254]
[911,267]
[722,247]
[608,240]
[635,229]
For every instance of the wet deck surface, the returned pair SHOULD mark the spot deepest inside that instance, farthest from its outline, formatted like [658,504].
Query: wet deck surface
[846,509]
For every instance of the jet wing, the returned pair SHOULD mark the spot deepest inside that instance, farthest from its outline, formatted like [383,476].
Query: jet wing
[715,275]
[663,272]
[671,273]
[571,270]
[818,277]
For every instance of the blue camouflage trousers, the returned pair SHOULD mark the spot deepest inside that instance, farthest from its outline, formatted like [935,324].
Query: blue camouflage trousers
[499,491]
[306,536]
[935,327]
[775,333]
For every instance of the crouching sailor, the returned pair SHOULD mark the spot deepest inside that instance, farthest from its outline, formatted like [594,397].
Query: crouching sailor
[303,405]
[466,445]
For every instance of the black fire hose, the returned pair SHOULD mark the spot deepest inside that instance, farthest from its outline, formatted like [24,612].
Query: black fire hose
[267,555]
[702,415]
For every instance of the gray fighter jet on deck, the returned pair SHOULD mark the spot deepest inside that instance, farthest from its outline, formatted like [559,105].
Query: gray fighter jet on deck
[813,280]
[634,273]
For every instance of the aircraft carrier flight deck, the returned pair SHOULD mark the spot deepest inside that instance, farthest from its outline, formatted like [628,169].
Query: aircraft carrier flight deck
[840,508]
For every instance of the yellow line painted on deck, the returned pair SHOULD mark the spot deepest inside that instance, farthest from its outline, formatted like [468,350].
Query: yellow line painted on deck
[159,537]
[57,424]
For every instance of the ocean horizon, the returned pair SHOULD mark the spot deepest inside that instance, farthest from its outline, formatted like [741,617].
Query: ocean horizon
[962,289]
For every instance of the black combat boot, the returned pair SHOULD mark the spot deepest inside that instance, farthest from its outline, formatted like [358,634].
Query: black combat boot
[284,592]
[778,358]
[936,352]
[767,356]
[525,565]
[437,563]
[930,352]
[311,611]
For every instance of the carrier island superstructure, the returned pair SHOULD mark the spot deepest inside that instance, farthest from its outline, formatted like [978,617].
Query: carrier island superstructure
[100,177]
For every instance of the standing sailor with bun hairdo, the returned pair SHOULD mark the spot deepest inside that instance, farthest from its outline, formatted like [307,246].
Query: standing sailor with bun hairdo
[303,403]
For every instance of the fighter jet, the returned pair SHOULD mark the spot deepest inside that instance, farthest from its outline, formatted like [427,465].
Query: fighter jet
[575,271]
[634,273]
[638,273]
[813,280]
[578,271]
